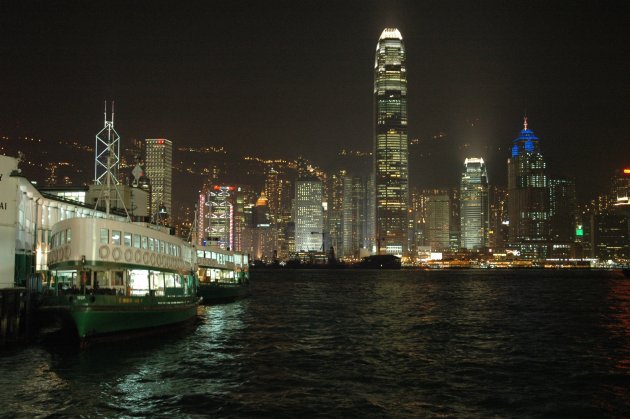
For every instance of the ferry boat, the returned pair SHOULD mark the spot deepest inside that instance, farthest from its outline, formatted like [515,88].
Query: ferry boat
[223,274]
[111,278]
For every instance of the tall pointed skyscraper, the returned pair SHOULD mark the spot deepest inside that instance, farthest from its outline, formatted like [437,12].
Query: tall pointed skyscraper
[528,197]
[391,166]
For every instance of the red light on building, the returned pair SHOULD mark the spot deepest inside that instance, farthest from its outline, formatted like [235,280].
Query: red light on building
[160,141]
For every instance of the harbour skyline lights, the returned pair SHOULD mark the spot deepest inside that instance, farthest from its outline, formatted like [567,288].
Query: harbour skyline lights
[471,74]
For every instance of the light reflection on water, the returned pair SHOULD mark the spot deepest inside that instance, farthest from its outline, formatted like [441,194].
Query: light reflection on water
[361,343]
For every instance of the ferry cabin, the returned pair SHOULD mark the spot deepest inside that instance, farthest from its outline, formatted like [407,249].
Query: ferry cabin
[101,256]
[220,265]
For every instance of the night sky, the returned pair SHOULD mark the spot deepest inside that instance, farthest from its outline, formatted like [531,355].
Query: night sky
[283,79]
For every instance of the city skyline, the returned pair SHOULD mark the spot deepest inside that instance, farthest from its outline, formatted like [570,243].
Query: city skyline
[230,77]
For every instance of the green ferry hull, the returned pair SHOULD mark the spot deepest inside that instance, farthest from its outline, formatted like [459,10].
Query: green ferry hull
[107,316]
[212,293]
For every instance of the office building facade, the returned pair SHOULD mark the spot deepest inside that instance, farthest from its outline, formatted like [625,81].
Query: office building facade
[159,170]
[308,215]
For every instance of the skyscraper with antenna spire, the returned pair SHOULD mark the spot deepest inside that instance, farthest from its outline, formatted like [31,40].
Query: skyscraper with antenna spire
[391,168]
[528,196]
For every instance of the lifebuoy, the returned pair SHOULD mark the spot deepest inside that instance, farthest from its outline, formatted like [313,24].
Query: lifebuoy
[137,256]
[127,255]
[103,252]
[145,258]
[116,253]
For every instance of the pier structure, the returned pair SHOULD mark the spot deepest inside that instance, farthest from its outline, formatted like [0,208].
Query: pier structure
[26,220]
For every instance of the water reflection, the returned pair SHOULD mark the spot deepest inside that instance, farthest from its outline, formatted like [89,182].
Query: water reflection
[405,343]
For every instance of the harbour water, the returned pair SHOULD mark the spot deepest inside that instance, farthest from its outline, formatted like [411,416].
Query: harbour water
[472,343]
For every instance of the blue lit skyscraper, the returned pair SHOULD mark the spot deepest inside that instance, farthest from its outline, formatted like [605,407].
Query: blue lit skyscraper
[528,197]
[390,144]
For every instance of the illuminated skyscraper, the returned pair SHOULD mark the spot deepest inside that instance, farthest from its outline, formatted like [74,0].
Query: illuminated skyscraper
[390,144]
[473,199]
[309,219]
[437,226]
[354,220]
[528,197]
[159,170]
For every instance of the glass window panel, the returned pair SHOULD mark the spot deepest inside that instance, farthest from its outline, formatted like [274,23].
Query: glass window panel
[136,241]
[116,237]
[104,237]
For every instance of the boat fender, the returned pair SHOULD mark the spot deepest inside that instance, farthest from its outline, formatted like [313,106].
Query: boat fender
[127,255]
[66,252]
[145,258]
[138,256]
[103,252]
[116,253]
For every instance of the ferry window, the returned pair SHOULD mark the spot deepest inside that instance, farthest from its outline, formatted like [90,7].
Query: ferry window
[117,279]
[69,235]
[116,237]
[162,247]
[170,248]
[62,238]
[214,256]
[144,242]
[151,243]
[179,251]
[136,241]
[238,259]
[200,253]
[231,258]
[100,281]
[104,236]
[127,239]
[245,261]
